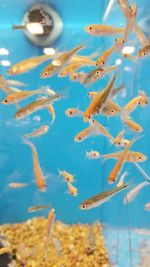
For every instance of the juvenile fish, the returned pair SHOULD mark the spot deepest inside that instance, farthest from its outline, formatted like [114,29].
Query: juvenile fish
[121,180]
[99,101]
[15,98]
[100,129]
[147,206]
[101,198]
[49,230]
[118,166]
[35,106]
[39,176]
[72,189]
[134,192]
[17,185]
[37,208]
[144,51]
[84,134]
[28,64]
[132,156]
[92,154]
[117,140]
[4,86]
[102,30]
[60,61]
[97,74]
[38,132]
[51,110]
[132,124]
[73,112]
[67,176]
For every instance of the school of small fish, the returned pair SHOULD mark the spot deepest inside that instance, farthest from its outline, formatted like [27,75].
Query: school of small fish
[102,102]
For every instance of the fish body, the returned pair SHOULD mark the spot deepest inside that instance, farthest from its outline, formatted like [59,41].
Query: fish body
[132,104]
[73,112]
[147,206]
[17,185]
[132,156]
[60,61]
[78,77]
[101,198]
[99,100]
[104,56]
[84,134]
[93,154]
[144,51]
[67,176]
[102,30]
[118,166]
[111,109]
[4,86]
[38,132]
[143,99]
[134,192]
[35,106]
[72,189]
[117,140]
[50,226]
[51,110]
[15,98]
[101,129]
[97,74]
[132,124]
[27,64]
[37,208]
[39,176]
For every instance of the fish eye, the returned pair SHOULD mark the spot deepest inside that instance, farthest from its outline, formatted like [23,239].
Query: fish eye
[80,138]
[146,102]
[90,28]
[93,120]
[98,72]
[45,74]
[98,112]
[83,206]
[103,63]
[6,100]
[112,111]
[137,129]
[113,180]
[140,157]
[94,154]
[70,112]
[119,143]
[116,39]
[89,117]
[123,41]
[143,54]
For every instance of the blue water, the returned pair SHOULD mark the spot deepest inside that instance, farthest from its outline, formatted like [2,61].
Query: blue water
[57,149]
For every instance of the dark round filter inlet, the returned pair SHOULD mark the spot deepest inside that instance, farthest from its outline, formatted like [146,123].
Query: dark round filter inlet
[50,21]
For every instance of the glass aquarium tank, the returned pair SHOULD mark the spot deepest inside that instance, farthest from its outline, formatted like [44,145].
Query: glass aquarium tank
[74,80]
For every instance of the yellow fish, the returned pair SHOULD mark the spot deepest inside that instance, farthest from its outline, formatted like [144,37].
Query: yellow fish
[59,62]
[100,129]
[102,30]
[117,140]
[97,74]
[99,101]
[17,185]
[73,112]
[38,207]
[118,166]
[84,134]
[72,189]
[67,176]
[39,176]
[38,132]
[15,98]
[49,230]
[27,64]
[35,106]
[132,124]
[101,198]
[132,156]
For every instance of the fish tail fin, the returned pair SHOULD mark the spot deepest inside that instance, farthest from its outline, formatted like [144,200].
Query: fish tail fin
[18,27]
